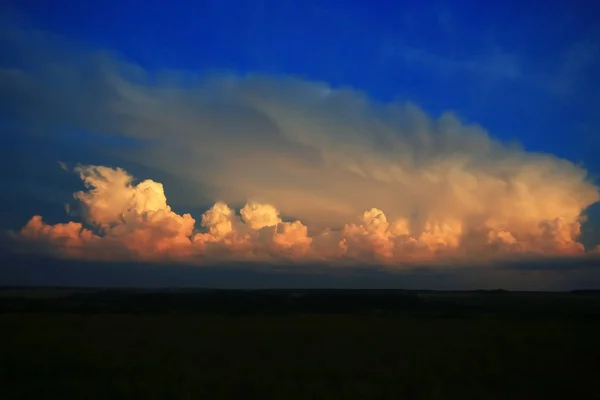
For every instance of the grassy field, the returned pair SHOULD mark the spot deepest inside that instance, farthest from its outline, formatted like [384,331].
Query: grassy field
[186,356]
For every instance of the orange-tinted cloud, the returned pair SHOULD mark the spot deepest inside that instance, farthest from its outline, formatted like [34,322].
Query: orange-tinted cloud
[125,220]
[366,181]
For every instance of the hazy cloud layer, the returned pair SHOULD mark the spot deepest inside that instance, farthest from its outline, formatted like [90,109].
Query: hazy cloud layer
[297,170]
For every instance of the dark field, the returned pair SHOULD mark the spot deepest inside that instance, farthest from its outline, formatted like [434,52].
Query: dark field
[298,345]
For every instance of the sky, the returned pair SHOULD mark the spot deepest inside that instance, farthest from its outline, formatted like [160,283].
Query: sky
[316,143]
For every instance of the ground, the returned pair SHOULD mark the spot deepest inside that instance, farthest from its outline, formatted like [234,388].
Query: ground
[411,351]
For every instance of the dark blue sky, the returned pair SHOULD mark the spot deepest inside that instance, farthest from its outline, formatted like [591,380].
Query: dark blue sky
[522,70]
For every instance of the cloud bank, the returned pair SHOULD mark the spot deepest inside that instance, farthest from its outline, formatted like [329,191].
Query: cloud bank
[127,220]
[297,170]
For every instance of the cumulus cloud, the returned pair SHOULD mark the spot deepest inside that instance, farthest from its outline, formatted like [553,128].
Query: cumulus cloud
[127,220]
[133,221]
[296,170]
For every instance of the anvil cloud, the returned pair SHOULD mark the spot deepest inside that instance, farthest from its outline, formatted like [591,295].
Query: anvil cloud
[297,170]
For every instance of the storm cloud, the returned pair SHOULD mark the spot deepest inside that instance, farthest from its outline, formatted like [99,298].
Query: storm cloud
[297,170]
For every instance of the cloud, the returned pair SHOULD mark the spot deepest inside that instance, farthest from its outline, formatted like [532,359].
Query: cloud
[127,220]
[133,220]
[297,171]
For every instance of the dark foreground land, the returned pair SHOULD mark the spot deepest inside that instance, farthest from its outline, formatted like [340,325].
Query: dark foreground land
[325,344]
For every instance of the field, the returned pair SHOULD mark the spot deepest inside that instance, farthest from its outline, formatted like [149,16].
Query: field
[290,345]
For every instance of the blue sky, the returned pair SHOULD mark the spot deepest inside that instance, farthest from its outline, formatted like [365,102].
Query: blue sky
[526,72]
[523,71]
